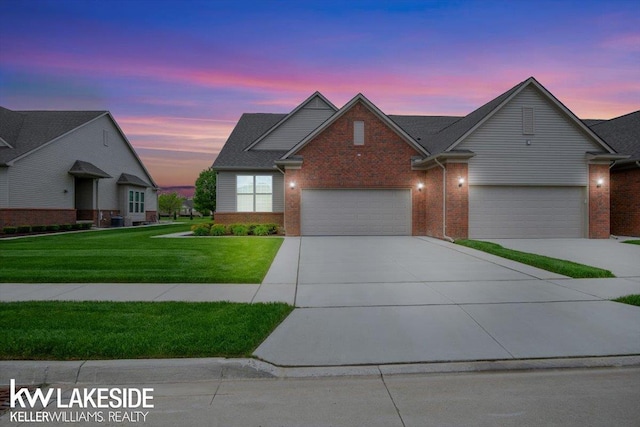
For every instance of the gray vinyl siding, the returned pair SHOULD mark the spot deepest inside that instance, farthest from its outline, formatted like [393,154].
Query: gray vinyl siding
[4,187]
[226,190]
[296,127]
[40,179]
[555,156]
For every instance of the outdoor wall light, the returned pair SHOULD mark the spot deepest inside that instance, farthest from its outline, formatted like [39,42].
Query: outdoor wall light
[420,186]
[460,181]
[292,185]
[599,182]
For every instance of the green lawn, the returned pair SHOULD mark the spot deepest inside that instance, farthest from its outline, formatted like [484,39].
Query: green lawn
[633,242]
[629,299]
[132,255]
[56,330]
[560,266]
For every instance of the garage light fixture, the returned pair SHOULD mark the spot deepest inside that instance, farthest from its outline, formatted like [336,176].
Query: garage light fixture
[599,182]
[292,185]
[460,181]
[420,186]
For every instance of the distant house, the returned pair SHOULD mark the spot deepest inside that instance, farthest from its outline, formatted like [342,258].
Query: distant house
[623,134]
[520,166]
[187,209]
[60,167]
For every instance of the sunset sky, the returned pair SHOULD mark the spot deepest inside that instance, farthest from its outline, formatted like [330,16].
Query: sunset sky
[177,75]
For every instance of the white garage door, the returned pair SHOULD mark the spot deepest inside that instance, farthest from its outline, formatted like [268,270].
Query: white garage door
[526,212]
[356,212]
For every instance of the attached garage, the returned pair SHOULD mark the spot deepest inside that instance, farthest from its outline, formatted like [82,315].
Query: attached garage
[352,212]
[527,212]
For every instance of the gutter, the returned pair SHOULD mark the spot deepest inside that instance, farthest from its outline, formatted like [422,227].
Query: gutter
[444,201]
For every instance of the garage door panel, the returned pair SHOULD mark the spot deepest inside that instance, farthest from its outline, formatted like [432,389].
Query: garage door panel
[356,212]
[526,212]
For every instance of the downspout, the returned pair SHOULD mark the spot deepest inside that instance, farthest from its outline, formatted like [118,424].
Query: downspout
[98,201]
[444,201]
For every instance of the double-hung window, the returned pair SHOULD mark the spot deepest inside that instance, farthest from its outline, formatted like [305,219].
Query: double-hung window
[136,201]
[254,193]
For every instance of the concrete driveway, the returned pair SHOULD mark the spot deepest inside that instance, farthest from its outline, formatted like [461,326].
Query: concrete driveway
[377,300]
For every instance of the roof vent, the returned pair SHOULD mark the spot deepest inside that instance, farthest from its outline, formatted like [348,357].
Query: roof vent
[527,121]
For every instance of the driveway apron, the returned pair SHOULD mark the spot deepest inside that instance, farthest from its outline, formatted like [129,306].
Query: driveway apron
[377,300]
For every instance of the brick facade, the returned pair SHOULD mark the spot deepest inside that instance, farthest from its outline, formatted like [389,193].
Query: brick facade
[227,218]
[457,209]
[331,160]
[17,217]
[599,206]
[625,202]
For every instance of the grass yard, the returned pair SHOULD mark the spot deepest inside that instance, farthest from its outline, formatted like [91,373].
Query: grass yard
[55,330]
[632,242]
[629,299]
[132,255]
[560,266]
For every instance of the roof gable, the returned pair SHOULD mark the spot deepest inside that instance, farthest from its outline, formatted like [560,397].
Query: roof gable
[296,125]
[360,98]
[453,135]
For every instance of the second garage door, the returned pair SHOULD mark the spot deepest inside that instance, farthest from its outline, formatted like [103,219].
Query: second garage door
[526,212]
[355,212]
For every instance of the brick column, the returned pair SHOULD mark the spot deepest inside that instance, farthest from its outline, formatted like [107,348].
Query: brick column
[457,201]
[599,208]
[292,202]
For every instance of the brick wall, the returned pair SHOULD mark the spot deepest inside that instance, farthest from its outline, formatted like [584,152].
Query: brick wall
[331,160]
[249,217]
[16,217]
[457,210]
[625,202]
[599,206]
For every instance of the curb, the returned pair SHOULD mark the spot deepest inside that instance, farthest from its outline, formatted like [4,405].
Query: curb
[186,370]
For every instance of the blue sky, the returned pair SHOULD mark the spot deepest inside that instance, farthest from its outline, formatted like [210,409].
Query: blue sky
[178,75]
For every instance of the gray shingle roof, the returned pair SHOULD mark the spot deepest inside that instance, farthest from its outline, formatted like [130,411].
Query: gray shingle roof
[622,133]
[249,128]
[84,169]
[130,179]
[422,128]
[28,130]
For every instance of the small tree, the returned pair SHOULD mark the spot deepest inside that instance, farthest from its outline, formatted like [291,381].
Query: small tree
[170,203]
[204,198]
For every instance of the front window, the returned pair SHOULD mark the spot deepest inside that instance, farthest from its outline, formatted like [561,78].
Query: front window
[254,193]
[136,201]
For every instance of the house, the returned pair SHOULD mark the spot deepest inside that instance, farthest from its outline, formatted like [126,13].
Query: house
[60,167]
[520,166]
[623,134]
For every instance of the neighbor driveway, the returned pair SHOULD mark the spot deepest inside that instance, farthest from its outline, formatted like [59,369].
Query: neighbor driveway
[376,300]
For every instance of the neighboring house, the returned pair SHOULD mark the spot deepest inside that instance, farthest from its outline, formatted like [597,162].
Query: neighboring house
[623,134]
[520,166]
[187,209]
[60,167]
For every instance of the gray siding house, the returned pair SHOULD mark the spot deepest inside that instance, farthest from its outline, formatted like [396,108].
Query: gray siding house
[520,166]
[60,167]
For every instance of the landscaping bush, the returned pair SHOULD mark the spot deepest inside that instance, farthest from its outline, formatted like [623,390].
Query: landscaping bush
[76,226]
[239,230]
[65,227]
[52,227]
[86,225]
[24,228]
[218,230]
[38,228]
[10,230]
[273,228]
[200,229]
[261,230]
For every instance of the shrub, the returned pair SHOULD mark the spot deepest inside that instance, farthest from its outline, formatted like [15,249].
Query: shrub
[10,230]
[273,228]
[239,230]
[200,230]
[218,230]
[24,228]
[52,227]
[65,227]
[76,226]
[261,230]
[38,228]
[86,225]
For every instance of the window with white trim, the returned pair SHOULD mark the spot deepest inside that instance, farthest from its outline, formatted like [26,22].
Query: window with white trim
[254,193]
[136,201]
[358,133]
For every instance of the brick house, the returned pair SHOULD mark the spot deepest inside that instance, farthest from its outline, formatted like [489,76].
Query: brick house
[60,167]
[522,165]
[623,134]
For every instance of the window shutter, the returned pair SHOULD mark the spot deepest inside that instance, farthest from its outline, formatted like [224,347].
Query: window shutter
[358,133]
